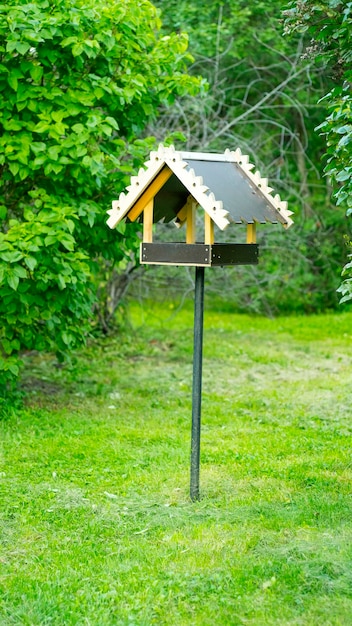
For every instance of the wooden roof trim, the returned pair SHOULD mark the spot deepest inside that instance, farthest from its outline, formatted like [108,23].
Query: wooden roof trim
[260,183]
[149,193]
[135,189]
[194,184]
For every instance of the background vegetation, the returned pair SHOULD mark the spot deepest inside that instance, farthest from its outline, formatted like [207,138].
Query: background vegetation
[78,83]
[87,90]
[267,81]
[329,24]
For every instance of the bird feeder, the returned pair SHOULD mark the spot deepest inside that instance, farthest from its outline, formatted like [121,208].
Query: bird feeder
[170,187]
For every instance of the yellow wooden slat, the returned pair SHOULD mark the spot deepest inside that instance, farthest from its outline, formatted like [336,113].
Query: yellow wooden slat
[251,233]
[182,214]
[151,191]
[191,221]
[209,230]
[148,222]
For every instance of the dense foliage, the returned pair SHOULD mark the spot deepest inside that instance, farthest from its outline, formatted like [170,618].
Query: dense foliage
[80,86]
[329,26]
[78,82]
[265,96]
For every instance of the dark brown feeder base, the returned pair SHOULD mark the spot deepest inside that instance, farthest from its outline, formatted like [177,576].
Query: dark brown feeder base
[199,254]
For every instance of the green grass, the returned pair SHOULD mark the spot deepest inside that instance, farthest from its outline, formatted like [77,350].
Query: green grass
[96,523]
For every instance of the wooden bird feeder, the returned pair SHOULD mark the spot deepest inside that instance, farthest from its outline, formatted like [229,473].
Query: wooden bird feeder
[170,188]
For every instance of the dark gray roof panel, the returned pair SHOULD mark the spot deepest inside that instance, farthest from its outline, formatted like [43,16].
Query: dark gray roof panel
[170,200]
[236,192]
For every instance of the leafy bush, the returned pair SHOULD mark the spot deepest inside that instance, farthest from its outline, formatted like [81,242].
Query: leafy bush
[266,95]
[78,82]
[328,24]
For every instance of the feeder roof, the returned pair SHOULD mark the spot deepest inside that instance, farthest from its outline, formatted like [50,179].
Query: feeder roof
[224,185]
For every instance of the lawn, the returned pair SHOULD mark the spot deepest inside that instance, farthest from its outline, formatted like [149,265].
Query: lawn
[96,524]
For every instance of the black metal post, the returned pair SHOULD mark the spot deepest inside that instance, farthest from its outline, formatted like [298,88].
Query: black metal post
[197,381]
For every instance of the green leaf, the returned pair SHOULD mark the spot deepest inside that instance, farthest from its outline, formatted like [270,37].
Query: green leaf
[345,174]
[13,81]
[67,338]
[20,271]
[36,73]
[99,92]
[68,41]
[31,262]
[6,345]
[14,168]
[53,152]
[70,225]
[107,130]
[38,146]
[50,240]
[58,115]
[77,49]
[11,256]
[347,128]
[112,122]
[68,242]
[14,369]
[22,47]
[41,127]
[60,128]
[24,172]
[38,161]
[78,128]
[13,280]
[81,151]
[61,282]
